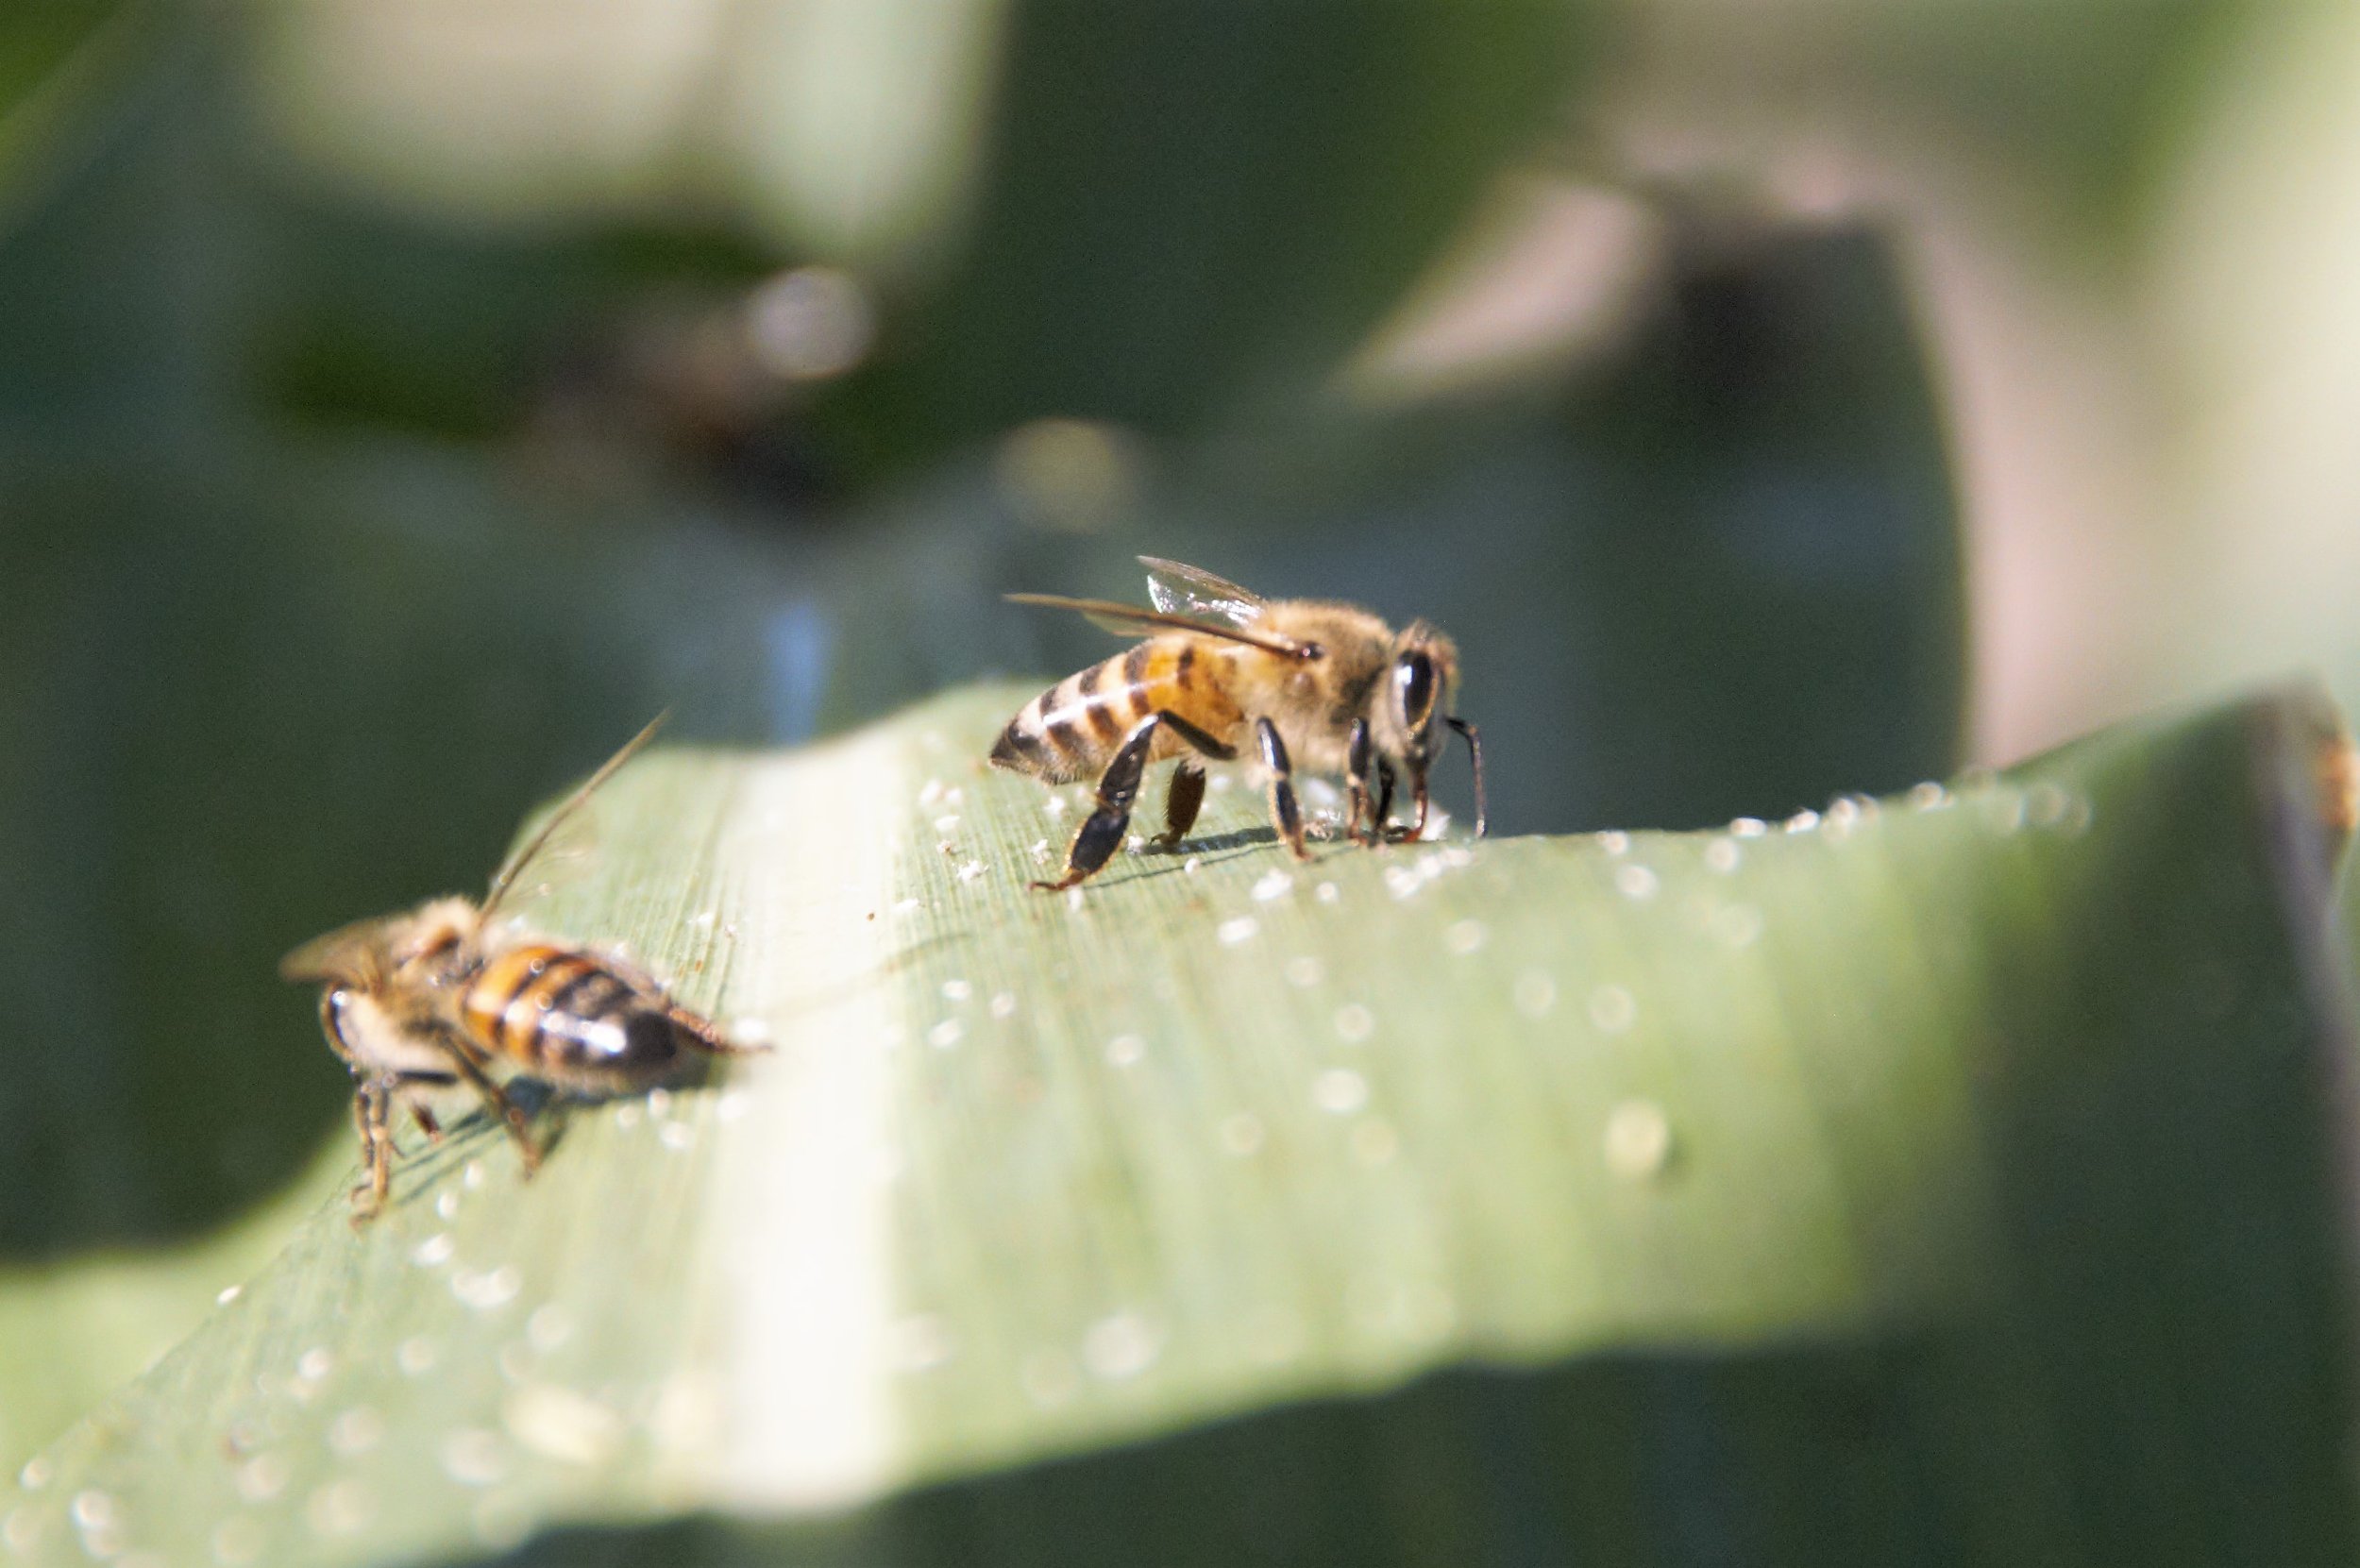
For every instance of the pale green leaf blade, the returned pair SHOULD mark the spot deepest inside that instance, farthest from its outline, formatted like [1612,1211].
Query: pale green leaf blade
[1946,1179]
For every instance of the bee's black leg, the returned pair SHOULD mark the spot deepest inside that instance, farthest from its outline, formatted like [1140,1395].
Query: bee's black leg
[1380,829]
[1357,789]
[376,1149]
[1283,810]
[1118,786]
[1181,805]
[1416,829]
[464,1063]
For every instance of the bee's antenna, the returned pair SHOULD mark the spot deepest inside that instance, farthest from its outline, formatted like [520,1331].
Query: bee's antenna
[1474,759]
[506,878]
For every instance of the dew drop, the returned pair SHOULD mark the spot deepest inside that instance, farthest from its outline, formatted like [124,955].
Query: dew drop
[356,1431]
[1118,1347]
[2046,805]
[446,1205]
[548,1328]
[1929,796]
[1637,1140]
[1273,886]
[678,1136]
[1126,1050]
[1748,827]
[1613,1008]
[1304,973]
[314,1365]
[93,1510]
[227,1294]
[1635,882]
[261,1477]
[474,1457]
[1614,841]
[943,1035]
[1003,1005]
[1326,892]
[340,1507]
[414,1356]
[1241,929]
[488,1290]
[1340,1091]
[1802,821]
[1722,856]
[1738,924]
[1464,937]
[1241,1133]
[20,1532]
[970,872]
[1534,993]
[38,1472]
[560,1423]
[1375,1142]
[1354,1022]
[472,1177]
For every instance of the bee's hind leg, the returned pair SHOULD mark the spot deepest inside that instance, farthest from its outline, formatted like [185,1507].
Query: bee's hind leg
[1118,787]
[1283,809]
[464,1063]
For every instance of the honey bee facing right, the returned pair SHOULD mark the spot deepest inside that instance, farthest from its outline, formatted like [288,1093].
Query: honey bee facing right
[1317,685]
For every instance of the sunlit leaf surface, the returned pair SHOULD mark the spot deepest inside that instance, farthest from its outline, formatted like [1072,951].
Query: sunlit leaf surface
[1940,1178]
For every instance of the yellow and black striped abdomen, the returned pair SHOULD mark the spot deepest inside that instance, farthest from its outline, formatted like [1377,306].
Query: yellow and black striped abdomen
[1071,730]
[569,1017]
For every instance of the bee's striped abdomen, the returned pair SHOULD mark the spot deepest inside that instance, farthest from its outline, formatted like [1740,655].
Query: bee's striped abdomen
[1071,730]
[564,1015]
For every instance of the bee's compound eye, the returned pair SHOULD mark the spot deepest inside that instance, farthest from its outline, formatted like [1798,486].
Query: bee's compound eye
[1414,688]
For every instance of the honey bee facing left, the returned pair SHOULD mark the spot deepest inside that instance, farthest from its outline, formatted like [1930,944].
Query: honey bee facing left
[432,999]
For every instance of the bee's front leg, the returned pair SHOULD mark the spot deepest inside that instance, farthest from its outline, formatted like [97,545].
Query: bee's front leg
[1423,803]
[1283,809]
[370,1101]
[1356,802]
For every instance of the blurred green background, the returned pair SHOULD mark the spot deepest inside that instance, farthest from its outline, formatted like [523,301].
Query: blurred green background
[401,400]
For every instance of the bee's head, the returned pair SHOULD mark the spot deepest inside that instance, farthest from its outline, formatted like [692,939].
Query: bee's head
[367,954]
[1411,707]
[1413,698]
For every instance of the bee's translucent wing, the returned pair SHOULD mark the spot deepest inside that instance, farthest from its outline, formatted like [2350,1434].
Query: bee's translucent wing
[566,835]
[346,953]
[1178,589]
[1129,620]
